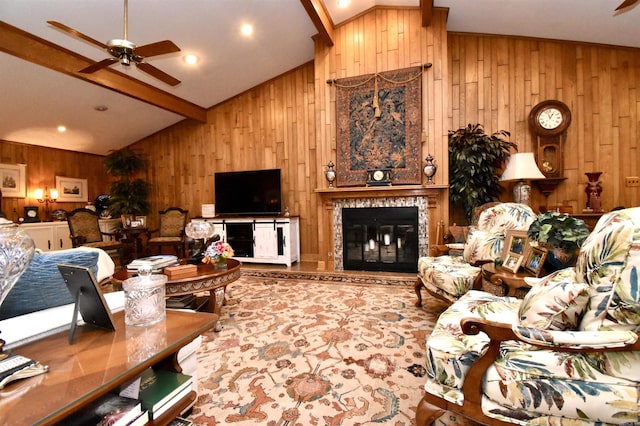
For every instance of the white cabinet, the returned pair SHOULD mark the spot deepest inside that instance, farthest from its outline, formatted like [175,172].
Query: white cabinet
[49,236]
[260,239]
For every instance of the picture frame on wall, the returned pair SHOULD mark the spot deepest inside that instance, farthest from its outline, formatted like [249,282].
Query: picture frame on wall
[13,180]
[71,190]
[535,260]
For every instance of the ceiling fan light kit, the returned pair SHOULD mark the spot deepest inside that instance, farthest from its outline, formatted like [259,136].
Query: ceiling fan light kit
[125,51]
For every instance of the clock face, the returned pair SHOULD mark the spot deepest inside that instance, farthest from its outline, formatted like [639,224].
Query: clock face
[550,118]
[378,175]
[32,213]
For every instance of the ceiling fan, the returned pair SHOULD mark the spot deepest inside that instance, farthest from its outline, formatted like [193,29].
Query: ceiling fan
[626,3]
[125,52]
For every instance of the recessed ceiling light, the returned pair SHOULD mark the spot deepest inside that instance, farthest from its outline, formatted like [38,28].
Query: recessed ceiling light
[246,29]
[191,59]
[62,129]
[342,4]
[101,108]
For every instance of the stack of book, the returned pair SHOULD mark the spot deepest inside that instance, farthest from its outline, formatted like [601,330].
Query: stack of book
[111,409]
[157,262]
[160,390]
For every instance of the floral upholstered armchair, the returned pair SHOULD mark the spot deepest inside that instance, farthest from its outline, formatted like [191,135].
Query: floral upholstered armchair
[566,354]
[449,277]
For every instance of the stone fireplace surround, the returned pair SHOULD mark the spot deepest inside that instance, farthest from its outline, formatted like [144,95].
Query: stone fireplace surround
[339,204]
[431,200]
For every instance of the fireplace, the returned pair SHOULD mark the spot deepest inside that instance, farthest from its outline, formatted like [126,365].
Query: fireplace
[380,239]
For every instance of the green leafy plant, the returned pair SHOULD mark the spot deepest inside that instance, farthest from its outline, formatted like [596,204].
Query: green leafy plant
[558,230]
[129,194]
[475,165]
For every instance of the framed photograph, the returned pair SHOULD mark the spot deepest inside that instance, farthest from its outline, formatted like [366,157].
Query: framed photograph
[512,262]
[516,242]
[71,190]
[535,260]
[13,180]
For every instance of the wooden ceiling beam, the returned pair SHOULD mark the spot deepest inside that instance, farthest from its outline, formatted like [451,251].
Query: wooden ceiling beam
[29,47]
[426,9]
[320,18]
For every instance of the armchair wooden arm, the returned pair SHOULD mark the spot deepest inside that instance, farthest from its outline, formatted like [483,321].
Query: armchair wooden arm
[432,407]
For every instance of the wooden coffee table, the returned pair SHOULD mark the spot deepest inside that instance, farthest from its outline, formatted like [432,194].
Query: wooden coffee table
[207,279]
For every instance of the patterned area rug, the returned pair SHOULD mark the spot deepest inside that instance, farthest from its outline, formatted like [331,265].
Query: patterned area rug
[310,352]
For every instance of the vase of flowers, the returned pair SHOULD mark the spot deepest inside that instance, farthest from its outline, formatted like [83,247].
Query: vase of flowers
[217,253]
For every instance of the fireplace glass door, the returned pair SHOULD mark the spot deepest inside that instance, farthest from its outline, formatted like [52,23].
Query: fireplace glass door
[380,239]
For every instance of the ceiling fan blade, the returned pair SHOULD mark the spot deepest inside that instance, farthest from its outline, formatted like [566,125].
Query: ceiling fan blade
[77,34]
[157,48]
[98,65]
[157,73]
[626,3]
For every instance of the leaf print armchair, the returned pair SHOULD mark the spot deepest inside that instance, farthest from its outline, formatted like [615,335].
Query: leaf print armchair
[449,277]
[566,354]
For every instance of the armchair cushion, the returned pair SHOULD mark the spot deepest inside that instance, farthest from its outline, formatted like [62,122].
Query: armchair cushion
[556,302]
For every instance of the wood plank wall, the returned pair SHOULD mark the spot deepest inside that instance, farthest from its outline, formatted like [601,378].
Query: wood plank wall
[43,165]
[384,39]
[289,122]
[497,80]
[269,126]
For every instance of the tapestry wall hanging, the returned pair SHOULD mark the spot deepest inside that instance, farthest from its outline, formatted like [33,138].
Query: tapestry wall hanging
[379,126]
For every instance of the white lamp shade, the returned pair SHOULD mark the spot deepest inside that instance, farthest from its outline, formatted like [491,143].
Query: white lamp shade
[522,166]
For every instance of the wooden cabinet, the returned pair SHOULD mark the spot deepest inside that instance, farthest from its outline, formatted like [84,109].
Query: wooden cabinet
[261,240]
[49,236]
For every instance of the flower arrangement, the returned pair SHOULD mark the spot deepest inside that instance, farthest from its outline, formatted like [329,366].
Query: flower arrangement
[218,251]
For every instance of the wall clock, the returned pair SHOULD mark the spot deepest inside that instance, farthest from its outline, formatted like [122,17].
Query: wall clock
[549,121]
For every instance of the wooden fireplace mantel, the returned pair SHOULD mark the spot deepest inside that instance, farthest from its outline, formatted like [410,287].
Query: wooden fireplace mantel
[438,207]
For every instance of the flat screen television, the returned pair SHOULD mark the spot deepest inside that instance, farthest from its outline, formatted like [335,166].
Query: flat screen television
[248,193]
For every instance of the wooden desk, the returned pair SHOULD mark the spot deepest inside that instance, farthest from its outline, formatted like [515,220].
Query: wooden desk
[98,362]
[208,278]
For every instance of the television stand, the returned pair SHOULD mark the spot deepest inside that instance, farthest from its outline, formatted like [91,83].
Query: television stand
[260,239]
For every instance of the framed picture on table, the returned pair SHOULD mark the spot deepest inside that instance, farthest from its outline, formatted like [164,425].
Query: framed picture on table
[535,260]
[512,262]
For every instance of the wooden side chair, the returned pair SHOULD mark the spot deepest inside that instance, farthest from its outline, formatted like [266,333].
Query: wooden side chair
[170,232]
[84,229]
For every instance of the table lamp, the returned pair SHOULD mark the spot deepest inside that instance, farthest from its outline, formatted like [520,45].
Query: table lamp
[522,167]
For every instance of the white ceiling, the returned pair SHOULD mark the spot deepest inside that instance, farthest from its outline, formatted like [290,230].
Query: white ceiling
[35,100]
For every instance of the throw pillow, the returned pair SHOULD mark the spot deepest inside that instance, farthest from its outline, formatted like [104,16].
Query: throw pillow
[557,302]
[41,286]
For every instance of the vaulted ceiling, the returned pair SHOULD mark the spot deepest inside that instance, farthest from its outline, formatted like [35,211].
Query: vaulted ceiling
[41,88]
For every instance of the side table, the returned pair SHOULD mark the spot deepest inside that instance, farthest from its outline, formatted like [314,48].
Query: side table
[501,282]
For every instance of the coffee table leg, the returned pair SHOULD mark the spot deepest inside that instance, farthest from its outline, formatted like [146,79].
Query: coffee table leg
[216,300]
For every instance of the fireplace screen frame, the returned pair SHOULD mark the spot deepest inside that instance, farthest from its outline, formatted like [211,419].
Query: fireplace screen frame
[380,238]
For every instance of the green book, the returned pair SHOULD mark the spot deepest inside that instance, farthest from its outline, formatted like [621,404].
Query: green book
[158,387]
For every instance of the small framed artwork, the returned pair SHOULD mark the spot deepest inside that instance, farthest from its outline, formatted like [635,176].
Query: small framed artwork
[512,262]
[71,190]
[516,242]
[13,180]
[535,260]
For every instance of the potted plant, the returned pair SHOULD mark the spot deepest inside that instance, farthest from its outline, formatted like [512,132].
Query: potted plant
[475,165]
[562,234]
[129,194]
